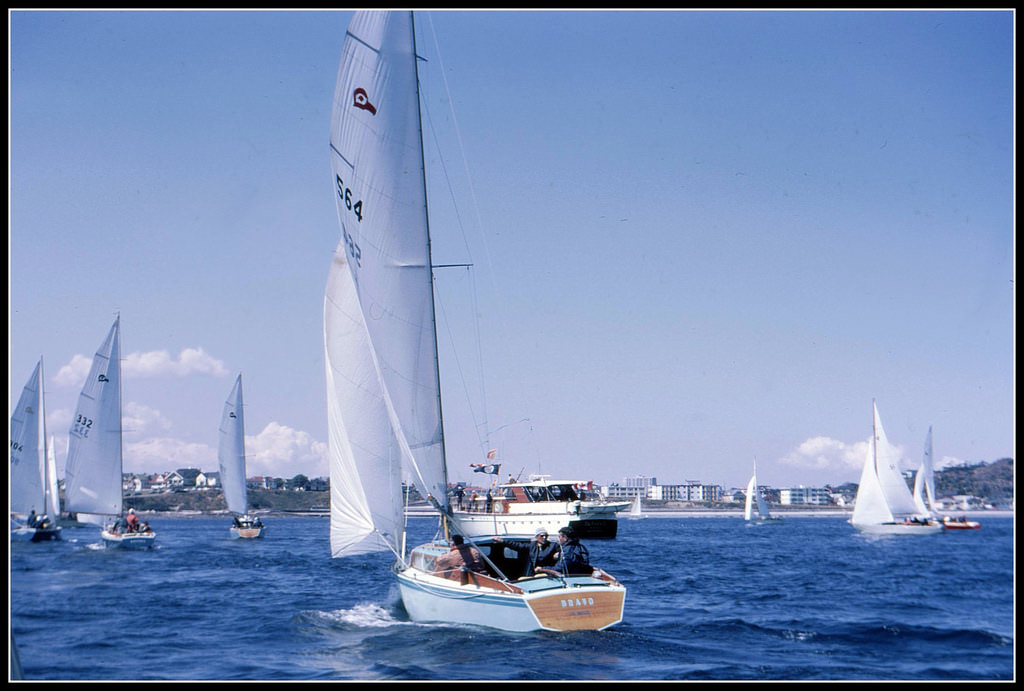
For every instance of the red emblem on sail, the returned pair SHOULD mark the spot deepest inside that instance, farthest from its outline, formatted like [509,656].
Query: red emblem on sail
[361,100]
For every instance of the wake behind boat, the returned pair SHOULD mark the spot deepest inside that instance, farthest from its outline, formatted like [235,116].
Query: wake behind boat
[884,504]
[231,458]
[94,464]
[383,383]
[33,475]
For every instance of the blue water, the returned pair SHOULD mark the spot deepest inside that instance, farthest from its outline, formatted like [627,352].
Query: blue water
[709,599]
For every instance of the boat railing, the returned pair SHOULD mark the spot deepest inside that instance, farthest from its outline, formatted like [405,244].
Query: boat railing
[467,577]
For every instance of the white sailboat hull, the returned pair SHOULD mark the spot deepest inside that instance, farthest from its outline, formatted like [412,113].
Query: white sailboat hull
[546,604]
[128,540]
[898,528]
[763,521]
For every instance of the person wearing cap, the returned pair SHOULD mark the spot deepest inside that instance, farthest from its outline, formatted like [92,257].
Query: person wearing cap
[132,520]
[540,552]
[574,559]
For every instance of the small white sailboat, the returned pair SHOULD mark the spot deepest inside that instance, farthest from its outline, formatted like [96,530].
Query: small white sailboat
[755,500]
[884,504]
[94,465]
[924,481]
[231,457]
[33,467]
[380,342]
[636,509]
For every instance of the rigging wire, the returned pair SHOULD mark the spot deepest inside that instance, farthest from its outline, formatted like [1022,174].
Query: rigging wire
[501,325]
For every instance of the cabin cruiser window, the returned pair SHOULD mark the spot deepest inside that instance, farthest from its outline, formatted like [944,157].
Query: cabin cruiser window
[537,493]
[563,492]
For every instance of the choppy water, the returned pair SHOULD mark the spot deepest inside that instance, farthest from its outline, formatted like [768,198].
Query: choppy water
[709,598]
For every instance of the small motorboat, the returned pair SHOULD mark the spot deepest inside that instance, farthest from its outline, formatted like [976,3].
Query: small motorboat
[959,523]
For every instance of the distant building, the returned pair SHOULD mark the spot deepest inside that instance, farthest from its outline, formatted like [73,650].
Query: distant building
[135,483]
[959,502]
[692,490]
[640,481]
[208,480]
[264,482]
[816,496]
[183,477]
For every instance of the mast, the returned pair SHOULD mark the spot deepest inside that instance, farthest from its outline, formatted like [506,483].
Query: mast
[874,435]
[120,411]
[430,271]
[42,442]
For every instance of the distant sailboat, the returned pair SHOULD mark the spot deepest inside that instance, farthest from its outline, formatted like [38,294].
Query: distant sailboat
[383,385]
[94,464]
[884,504]
[231,457]
[636,509]
[924,491]
[33,468]
[753,499]
[924,481]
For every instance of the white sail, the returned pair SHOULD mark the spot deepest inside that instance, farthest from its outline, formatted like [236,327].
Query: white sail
[379,323]
[231,450]
[364,460]
[93,471]
[753,499]
[748,505]
[28,452]
[883,494]
[924,480]
[870,507]
[637,509]
[887,466]
[50,481]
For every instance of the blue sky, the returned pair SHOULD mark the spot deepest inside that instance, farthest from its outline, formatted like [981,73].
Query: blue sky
[698,238]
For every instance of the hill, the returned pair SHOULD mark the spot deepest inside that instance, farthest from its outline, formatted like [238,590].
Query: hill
[210,501]
[993,481]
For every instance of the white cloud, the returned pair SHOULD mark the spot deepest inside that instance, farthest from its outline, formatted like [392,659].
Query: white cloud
[825,453]
[159,363]
[73,373]
[155,363]
[280,451]
[161,454]
[138,419]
